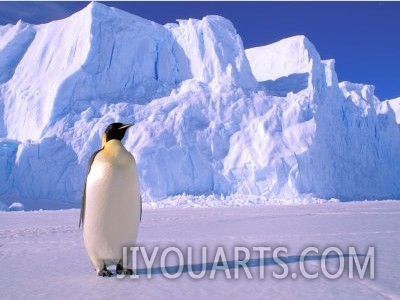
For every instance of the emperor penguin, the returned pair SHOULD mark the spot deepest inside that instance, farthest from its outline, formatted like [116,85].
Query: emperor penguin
[111,203]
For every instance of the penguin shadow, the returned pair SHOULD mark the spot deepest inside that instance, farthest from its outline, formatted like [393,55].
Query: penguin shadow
[238,264]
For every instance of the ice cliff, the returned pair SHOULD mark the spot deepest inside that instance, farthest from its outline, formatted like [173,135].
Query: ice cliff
[211,117]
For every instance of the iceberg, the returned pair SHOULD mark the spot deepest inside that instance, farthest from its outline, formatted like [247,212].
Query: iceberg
[211,117]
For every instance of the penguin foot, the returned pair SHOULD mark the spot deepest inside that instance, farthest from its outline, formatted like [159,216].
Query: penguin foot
[105,273]
[121,271]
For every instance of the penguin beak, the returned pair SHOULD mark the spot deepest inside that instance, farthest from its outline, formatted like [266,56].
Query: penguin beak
[126,126]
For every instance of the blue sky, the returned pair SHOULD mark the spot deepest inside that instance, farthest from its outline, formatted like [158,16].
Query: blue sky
[363,37]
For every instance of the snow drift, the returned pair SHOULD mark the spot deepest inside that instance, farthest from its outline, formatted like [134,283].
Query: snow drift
[211,117]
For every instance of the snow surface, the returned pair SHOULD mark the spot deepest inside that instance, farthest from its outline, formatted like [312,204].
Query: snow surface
[211,117]
[43,255]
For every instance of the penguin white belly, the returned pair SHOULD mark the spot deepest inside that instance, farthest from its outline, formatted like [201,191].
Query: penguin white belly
[112,213]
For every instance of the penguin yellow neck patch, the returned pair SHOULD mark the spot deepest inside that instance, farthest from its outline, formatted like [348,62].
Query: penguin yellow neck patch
[104,140]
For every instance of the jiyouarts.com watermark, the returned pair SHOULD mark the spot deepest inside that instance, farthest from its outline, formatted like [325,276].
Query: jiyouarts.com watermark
[251,262]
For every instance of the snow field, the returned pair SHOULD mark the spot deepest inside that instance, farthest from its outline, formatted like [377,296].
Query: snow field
[42,252]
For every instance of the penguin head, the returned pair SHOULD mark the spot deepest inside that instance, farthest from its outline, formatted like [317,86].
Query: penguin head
[115,131]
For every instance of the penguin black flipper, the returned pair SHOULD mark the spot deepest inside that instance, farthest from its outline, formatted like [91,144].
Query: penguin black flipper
[82,217]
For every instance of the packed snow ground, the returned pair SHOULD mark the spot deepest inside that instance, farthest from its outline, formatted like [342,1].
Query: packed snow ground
[43,255]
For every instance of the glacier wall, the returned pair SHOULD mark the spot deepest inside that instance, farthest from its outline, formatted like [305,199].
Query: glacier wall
[211,117]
